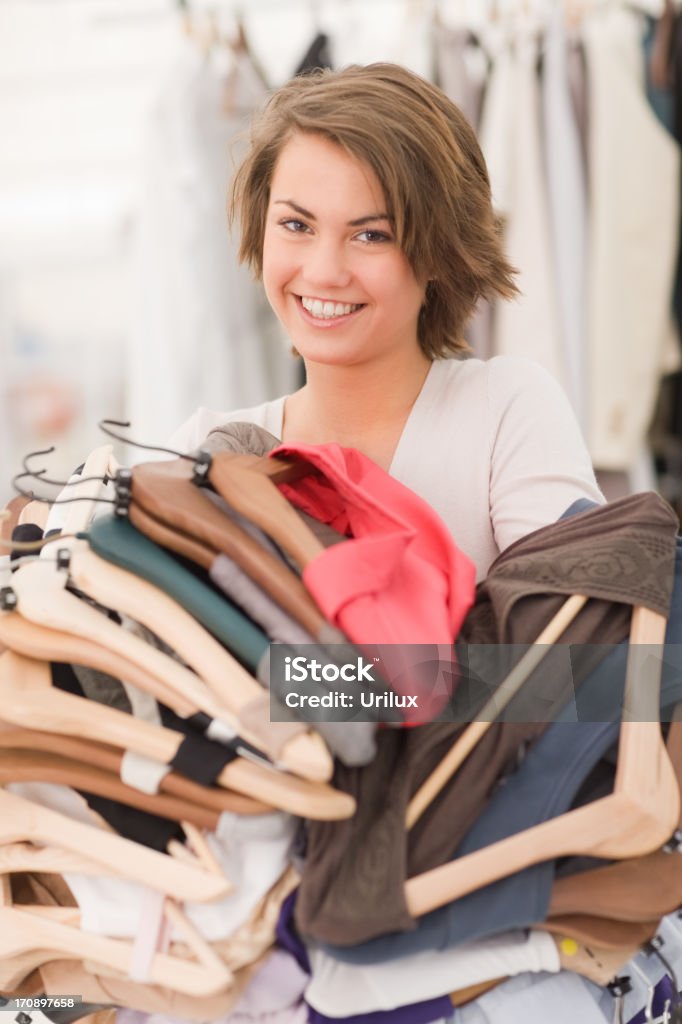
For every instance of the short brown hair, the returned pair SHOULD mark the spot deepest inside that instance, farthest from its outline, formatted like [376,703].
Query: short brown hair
[429,164]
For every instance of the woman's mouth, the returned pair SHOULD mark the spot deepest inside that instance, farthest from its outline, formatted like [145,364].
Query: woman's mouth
[326,310]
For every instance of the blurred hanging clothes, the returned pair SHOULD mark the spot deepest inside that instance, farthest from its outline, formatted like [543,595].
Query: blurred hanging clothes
[462,68]
[634,169]
[566,190]
[202,332]
[495,127]
[398,31]
[495,137]
[528,326]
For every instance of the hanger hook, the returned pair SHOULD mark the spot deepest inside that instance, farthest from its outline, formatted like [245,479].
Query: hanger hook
[28,494]
[38,472]
[47,480]
[138,444]
[34,455]
[57,501]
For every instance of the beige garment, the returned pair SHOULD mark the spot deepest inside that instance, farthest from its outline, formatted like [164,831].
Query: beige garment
[462,67]
[529,326]
[634,179]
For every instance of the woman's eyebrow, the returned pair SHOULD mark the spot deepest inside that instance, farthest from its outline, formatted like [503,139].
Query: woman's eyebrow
[294,206]
[311,216]
[368,220]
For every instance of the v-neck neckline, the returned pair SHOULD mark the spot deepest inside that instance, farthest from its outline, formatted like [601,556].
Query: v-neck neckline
[407,426]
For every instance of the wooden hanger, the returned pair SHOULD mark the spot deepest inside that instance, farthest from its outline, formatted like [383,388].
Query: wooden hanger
[637,817]
[157,488]
[26,857]
[242,482]
[22,765]
[37,939]
[174,540]
[29,700]
[229,683]
[35,512]
[22,820]
[460,750]
[41,598]
[99,464]
[11,517]
[110,759]
[44,643]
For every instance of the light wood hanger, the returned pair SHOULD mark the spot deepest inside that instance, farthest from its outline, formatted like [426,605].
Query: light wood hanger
[29,700]
[99,464]
[24,821]
[36,939]
[639,816]
[45,643]
[42,599]
[460,750]
[110,759]
[35,512]
[26,857]
[244,483]
[231,685]
[11,517]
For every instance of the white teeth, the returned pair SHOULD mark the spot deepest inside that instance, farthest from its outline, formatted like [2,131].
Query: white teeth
[327,310]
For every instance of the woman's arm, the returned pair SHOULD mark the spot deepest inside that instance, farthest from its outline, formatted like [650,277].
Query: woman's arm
[539,463]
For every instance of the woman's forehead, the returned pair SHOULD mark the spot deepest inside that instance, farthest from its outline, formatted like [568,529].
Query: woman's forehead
[316,167]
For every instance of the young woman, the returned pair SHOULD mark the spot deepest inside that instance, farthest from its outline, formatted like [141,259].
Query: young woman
[364,206]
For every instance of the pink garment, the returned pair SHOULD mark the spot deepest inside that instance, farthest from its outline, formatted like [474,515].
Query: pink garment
[400,579]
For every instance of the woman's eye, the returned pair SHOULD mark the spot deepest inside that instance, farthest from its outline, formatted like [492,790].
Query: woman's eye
[295,226]
[373,236]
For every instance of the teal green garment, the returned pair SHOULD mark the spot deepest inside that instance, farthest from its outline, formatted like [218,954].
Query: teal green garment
[120,542]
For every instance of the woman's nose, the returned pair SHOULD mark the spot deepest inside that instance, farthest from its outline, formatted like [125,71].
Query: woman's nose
[327,265]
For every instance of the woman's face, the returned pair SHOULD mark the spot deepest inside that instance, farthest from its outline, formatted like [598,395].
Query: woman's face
[333,272]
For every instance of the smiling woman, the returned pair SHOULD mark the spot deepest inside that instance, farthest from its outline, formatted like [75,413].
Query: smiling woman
[332,269]
[364,205]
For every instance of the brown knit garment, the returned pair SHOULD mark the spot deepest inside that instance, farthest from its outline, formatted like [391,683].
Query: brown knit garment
[620,555]
[353,883]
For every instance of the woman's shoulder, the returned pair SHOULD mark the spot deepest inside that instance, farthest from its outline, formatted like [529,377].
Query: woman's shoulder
[194,430]
[499,379]
[503,366]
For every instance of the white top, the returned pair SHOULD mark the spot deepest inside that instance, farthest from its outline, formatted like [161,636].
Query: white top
[341,989]
[493,447]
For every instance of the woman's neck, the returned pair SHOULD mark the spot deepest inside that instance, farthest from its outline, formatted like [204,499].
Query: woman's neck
[358,407]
